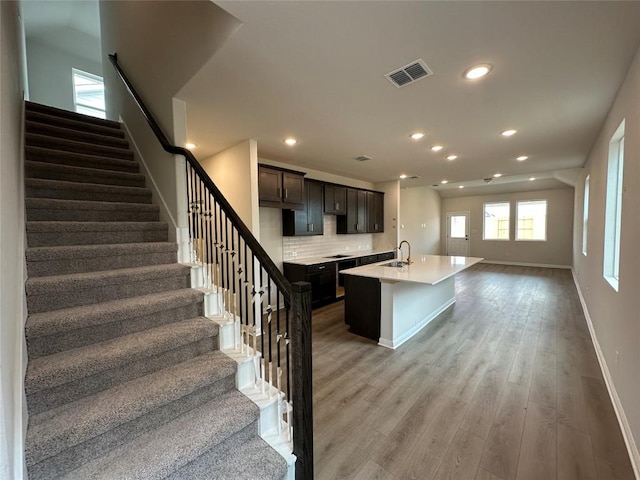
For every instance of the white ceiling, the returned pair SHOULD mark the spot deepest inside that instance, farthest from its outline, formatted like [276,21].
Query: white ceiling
[315,70]
[69,25]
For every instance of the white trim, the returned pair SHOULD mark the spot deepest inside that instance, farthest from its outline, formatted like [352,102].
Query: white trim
[154,186]
[627,434]
[522,264]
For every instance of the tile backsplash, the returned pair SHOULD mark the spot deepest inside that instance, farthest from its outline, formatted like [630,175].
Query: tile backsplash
[328,244]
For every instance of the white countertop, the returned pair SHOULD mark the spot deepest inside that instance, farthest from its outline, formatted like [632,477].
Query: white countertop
[429,269]
[346,256]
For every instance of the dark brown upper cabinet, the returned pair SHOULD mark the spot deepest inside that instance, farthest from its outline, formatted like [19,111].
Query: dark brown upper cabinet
[335,199]
[355,220]
[375,212]
[280,188]
[307,221]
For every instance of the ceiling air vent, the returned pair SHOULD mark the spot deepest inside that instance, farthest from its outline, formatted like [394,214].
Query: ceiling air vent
[362,158]
[409,73]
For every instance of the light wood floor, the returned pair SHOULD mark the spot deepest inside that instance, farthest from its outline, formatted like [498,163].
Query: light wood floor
[503,385]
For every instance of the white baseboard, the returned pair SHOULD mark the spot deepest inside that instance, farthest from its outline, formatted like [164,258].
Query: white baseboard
[165,212]
[521,264]
[627,434]
[385,342]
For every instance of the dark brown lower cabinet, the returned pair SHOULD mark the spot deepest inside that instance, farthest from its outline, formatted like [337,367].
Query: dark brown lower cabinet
[362,306]
[322,278]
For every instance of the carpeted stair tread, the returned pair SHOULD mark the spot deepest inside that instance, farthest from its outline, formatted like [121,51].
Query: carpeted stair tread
[253,460]
[54,209]
[71,424]
[67,259]
[43,188]
[79,328]
[70,123]
[69,173]
[58,112]
[69,319]
[85,136]
[77,252]
[63,291]
[48,155]
[43,234]
[38,140]
[71,365]
[158,453]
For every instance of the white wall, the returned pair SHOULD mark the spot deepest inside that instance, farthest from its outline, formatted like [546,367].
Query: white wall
[12,268]
[420,219]
[615,315]
[49,70]
[556,251]
[152,55]
[235,173]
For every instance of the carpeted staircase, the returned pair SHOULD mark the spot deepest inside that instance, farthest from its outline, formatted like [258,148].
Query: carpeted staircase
[125,379]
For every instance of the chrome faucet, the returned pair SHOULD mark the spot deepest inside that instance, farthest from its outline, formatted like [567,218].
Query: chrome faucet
[408,251]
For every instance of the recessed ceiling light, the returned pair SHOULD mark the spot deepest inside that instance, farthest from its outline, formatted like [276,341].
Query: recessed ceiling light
[290,141]
[532,179]
[452,157]
[403,176]
[521,158]
[461,186]
[437,148]
[190,146]
[417,135]
[444,182]
[497,175]
[508,133]
[477,71]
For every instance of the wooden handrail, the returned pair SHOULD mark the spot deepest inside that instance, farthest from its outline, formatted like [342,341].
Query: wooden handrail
[272,270]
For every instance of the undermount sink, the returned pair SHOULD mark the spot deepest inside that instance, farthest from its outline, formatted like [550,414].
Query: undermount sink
[338,256]
[395,264]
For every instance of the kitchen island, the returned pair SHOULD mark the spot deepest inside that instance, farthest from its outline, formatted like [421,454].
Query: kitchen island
[392,301]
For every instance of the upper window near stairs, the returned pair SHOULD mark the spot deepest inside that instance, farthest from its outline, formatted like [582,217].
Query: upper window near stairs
[88,94]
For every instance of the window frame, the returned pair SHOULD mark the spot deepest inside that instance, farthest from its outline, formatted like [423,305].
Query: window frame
[613,208]
[484,218]
[585,215]
[546,220]
[84,108]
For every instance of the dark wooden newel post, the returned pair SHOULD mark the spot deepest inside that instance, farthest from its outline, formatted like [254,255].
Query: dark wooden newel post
[302,380]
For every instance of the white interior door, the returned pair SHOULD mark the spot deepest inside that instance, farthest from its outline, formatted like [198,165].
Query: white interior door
[458,234]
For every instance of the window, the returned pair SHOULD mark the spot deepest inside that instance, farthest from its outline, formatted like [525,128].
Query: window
[88,93]
[532,220]
[613,208]
[496,221]
[585,215]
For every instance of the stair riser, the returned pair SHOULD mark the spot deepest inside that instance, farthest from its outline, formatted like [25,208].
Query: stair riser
[59,131]
[53,397]
[78,147]
[56,157]
[66,215]
[59,298]
[84,194]
[200,467]
[99,177]
[45,119]
[49,239]
[63,462]
[46,345]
